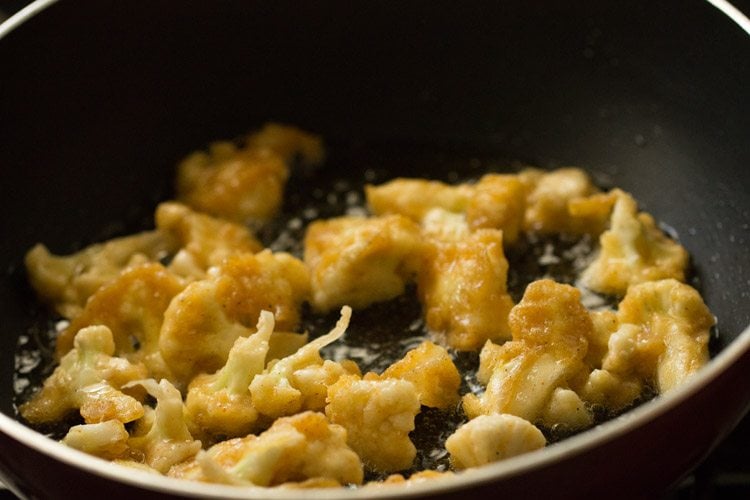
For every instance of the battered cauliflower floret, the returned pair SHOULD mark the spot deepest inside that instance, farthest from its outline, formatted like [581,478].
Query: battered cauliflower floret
[439,225]
[220,404]
[245,184]
[611,391]
[294,449]
[430,368]
[203,321]
[633,250]
[359,261]
[300,381]
[413,198]
[548,195]
[416,478]
[462,287]
[240,184]
[591,214]
[108,439]
[204,241]
[498,202]
[378,416]
[162,436]
[291,143]
[132,306]
[489,438]
[66,282]
[550,329]
[663,334]
[88,379]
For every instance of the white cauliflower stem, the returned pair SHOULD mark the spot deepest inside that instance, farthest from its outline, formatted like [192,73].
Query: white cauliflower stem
[89,379]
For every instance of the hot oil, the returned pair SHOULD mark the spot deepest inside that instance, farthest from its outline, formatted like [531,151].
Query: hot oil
[381,334]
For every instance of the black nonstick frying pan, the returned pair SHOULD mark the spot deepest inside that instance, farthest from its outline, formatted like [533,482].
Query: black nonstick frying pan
[100,99]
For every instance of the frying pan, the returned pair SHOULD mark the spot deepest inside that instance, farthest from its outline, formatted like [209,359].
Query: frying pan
[101,98]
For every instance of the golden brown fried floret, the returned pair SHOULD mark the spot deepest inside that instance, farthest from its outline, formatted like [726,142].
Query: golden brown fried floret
[220,404]
[244,185]
[88,378]
[291,143]
[498,201]
[413,198]
[66,282]
[550,329]
[132,306]
[591,214]
[378,416]
[108,439]
[430,368]
[300,381]
[294,449]
[358,261]
[633,250]
[203,241]
[548,195]
[462,287]
[489,438]
[663,334]
[416,478]
[162,435]
[203,321]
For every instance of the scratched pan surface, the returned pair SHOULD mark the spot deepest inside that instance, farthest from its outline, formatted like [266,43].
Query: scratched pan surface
[99,99]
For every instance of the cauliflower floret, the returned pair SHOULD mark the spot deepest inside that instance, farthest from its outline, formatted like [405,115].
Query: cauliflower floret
[378,416]
[413,198]
[67,282]
[498,202]
[489,438]
[440,225]
[244,185]
[550,329]
[633,250]
[663,334]
[163,437]
[604,325]
[548,196]
[88,378]
[203,321]
[430,368]
[132,306]
[300,381]
[204,241]
[291,143]
[108,439]
[605,389]
[220,404]
[359,261]
[462,287]
[591,214]
[400,481]
[294,449]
